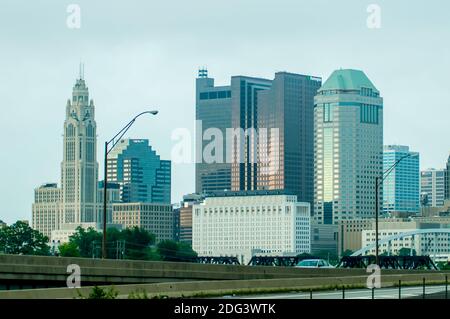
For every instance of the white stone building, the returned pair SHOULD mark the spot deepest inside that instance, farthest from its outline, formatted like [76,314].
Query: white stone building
[253,223]
[46,209]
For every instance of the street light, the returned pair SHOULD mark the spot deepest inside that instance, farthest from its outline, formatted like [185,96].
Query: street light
[108,149]
[379,181]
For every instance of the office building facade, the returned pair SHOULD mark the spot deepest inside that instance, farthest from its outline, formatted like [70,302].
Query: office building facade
[46,209]
[185,234]
[286,155]
[156,218]
[348,147]
[447,180]
[213,116]
[112,196]
[244,121]
[142,175]
[432,187]
[244,224]
[401,188]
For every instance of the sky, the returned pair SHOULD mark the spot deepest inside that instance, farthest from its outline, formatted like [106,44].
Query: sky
[142,55]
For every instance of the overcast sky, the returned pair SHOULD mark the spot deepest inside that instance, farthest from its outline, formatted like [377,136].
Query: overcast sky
[145,54]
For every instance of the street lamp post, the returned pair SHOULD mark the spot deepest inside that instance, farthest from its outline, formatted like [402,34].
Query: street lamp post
[378,182]
[108,148]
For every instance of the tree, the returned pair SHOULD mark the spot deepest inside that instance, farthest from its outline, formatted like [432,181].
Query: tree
[131,243]
[20,238]
[137,241]
[69,249]
[186,253]
[170,250]
[167,249]
[86,240]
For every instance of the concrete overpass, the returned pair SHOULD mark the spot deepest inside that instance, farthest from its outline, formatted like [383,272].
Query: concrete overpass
[30,272]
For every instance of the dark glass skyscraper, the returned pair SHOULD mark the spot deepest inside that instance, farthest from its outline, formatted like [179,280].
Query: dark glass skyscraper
[213,111]
[268,131]
[286,158]
[244,110]
[142,175]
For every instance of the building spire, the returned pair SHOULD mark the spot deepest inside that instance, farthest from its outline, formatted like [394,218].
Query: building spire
[81,70]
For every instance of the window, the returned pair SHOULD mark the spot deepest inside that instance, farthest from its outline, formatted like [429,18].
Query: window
[327,113]
[369,114]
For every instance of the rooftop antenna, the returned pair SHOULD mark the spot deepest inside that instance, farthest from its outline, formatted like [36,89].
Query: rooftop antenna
[202,72]
[81,71]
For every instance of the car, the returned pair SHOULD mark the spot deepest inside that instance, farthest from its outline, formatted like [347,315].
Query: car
[314,263]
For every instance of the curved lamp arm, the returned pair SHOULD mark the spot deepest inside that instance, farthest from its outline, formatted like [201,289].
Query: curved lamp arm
[122,132]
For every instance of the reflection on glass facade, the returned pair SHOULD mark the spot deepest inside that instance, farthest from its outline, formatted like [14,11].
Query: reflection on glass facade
[401,187]
[244,110]
[348,147]
[286,157]
[142,175]
[213,110]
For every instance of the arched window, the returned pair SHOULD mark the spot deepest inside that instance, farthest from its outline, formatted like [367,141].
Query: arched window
[90,130]
[70,130]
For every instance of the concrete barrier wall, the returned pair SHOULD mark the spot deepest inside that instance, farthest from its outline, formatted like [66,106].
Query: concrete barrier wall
[38,268]
[200,288]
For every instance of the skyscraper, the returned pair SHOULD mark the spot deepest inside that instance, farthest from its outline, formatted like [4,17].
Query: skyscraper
[401,188]
[286,156]
[432,187]
[142,175]
[213,114]
[447,180]
[79,168]
[244,151]
[348,147]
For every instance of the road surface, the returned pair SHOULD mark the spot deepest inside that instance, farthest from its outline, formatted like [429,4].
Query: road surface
[382,293]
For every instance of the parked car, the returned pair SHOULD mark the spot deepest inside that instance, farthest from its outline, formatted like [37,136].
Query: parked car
[314,263]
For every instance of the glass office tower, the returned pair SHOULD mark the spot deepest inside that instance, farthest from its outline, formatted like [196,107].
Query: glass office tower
[213,111]
[348,147]
[401,188]
[142,175]
[286,156]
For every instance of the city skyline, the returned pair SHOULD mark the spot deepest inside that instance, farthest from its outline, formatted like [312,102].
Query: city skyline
[144,73]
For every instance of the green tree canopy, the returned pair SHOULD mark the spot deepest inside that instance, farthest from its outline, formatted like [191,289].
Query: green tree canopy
[131,243]
[170,250]
[69,249]
[86,240]
[20,238]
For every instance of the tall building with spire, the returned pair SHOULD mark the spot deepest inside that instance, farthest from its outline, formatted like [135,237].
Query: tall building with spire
[79,168]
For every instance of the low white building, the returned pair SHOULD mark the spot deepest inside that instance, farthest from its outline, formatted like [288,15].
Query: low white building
[252,223]
[435,245]
[61,236]
[392,248]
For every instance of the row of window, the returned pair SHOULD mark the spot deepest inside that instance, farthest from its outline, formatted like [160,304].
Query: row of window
[215,95]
